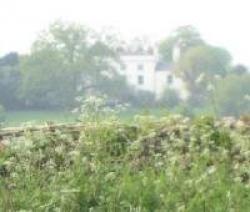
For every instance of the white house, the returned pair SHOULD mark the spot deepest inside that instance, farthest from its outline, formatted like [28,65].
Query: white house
[145,71]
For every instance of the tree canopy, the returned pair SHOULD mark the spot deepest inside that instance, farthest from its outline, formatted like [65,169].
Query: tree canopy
[233,95]
[199,67]
[184,36]
[10,80]
[65,60]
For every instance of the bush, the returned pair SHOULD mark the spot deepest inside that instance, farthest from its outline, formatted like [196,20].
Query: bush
[170,98]
[142,98]
[157,164]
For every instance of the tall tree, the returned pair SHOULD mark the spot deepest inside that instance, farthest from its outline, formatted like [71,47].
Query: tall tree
[233,95]
[239,69]
[64,60]
[10,80]
[199,67]
[185,37]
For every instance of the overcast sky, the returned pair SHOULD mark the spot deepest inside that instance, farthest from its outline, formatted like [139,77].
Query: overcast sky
[221,22]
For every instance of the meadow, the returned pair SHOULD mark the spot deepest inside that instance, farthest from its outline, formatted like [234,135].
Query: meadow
[18,118]
[172,163]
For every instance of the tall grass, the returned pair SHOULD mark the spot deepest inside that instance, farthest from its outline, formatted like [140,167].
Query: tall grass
[152,164]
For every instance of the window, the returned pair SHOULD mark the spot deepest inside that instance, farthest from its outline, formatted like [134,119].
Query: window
[140,80]
[169,79]
[140,67]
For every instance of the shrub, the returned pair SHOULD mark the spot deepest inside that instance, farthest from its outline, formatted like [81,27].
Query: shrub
[170,98]
[142,98]
[171,163]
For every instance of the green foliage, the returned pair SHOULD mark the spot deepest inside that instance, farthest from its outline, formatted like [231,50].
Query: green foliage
[166,49]
[239,69]
[206,60]
[2,114]
[199,67]
[170,98]
[233,95]
[199,63]
[63,63]
[10,80]
[18,118]
[46,81]
[184,36]
[95,108]
[142,98]
[167,164]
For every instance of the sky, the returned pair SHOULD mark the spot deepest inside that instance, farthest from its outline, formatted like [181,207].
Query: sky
[223,23]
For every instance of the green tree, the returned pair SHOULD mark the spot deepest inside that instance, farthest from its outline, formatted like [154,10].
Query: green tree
[199,67]
[233,95]
[239,69]
[185,37]
[65,60]
[170,98]
[10,80]
[46,81]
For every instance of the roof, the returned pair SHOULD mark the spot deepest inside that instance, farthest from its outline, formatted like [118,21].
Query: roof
[163,66]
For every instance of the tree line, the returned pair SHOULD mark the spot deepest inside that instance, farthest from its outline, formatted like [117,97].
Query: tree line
[66,61]
[214,83]
[70,60]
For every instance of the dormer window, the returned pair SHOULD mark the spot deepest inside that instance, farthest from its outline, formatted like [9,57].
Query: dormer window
[140,67]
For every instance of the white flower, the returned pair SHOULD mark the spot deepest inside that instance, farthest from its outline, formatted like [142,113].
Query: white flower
[211,170]
[74,153]
[59,149]
[200,78]
[247,97]
[210,87]
[79,98]
[75,110]
[217,77]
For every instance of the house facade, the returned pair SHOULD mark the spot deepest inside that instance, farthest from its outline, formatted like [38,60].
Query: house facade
[145,71]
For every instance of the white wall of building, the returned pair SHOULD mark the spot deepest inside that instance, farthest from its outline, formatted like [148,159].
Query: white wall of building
[140,66]
[163,81]
[155,81]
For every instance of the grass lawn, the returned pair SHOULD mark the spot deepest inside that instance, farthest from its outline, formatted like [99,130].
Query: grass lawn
[17,118]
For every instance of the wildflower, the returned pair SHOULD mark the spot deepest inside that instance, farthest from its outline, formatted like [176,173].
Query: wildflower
[110,176]
[217,77]
[59,149]
[75,110]
[247,97]
[210,87]
[74,153]
[79,98]
[211,170]
[200,78]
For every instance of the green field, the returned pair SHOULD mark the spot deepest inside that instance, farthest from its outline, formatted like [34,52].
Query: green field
[17,118]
